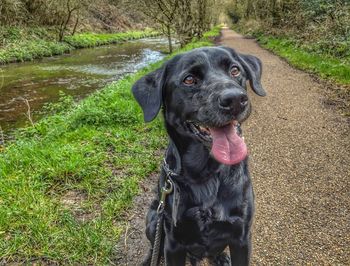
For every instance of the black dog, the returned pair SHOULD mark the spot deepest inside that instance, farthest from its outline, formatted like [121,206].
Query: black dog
[204,99]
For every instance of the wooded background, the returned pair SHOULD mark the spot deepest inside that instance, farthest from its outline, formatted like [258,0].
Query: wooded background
[66,17]
[183,18]
[323,24]
[320,25]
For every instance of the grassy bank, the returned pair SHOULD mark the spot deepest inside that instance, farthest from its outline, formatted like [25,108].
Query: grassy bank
[331,66]
[92,39]
[336,71]
[66,182]
[20,45]
[326,66]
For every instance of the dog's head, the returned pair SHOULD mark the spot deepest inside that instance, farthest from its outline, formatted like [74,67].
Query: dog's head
[204,96]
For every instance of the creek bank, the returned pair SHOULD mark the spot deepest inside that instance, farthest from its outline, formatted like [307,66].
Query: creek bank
[332,71]
[78,74]
[39,43]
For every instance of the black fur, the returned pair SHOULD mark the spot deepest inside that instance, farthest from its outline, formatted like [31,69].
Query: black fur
[216,200]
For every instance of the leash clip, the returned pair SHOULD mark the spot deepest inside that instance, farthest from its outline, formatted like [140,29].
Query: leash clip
[166,190]
[168,171]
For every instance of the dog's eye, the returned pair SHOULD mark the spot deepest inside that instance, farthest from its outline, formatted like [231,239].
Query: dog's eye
[235,72]
[189,80]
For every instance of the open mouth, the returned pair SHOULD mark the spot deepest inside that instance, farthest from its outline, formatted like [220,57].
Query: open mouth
[227,146]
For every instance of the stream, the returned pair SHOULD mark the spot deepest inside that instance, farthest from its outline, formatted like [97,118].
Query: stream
[79,73]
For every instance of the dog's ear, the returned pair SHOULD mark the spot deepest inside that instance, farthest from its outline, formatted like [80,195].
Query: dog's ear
[148,93]
[253,67]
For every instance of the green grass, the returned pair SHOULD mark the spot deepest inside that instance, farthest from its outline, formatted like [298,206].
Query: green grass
[93,39]
[214,32]
[321,64]
[66,182]
[25,45]
[29,50]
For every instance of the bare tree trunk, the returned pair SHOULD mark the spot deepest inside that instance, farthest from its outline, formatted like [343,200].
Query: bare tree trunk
[64,25]
[61,32]
[75,25]
[274,12]
[169,39]
[248,9]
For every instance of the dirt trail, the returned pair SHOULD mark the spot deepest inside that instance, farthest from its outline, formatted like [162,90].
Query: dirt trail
[300,163]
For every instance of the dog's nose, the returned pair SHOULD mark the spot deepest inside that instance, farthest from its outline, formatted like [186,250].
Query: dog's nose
[233,100]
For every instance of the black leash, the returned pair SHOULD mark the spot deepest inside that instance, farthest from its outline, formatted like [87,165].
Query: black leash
[167,188]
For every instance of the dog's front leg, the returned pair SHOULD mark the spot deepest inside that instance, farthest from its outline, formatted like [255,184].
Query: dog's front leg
[240,253]
[175,254]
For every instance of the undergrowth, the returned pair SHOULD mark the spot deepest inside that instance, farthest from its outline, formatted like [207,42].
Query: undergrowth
[329,68]
[303,57]
[332,65]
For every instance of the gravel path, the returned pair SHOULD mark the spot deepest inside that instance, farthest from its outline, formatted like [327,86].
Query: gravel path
[300,163]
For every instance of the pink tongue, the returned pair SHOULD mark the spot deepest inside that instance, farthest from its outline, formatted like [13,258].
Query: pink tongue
[228,147]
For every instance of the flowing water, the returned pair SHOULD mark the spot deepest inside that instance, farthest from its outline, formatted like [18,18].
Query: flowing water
[78,74]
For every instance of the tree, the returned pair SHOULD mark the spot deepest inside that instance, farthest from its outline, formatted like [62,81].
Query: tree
[186,18]
[11,11]
[194,18]
[161,12]
[68,8]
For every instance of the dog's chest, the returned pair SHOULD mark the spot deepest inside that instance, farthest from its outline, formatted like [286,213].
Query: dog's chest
[213,214]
